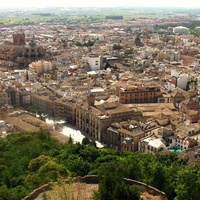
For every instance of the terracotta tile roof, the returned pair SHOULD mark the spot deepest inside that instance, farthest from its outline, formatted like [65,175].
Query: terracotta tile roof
[177,91]
[21,125]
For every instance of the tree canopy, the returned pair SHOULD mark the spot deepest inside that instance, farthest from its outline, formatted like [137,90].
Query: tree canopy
[28,160]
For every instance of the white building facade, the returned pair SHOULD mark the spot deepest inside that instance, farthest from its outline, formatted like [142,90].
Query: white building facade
[181,30]
[95,62]
[182,81]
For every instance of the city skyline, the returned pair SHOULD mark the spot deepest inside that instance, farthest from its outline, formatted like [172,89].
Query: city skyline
[102,3]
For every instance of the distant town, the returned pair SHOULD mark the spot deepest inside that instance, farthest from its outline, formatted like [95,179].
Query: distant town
[128,81]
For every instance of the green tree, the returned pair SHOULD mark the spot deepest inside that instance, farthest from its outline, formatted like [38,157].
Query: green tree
[20,191]
[36,163]
[77,165]
[89,153]
[170,182]
[188,86]
[188,183]
[70,141]
[78,44]
[7,194]
[89,43]
[51,171]
[85,141]
[112,185]
[158,176]
[117,47]
[128,30]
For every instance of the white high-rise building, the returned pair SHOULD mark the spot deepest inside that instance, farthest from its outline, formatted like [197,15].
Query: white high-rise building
[95,62]
[182,81]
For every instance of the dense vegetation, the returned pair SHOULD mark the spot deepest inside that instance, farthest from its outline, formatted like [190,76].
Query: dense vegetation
[195,32]
[28,160]
[115,17]
[117,47]
[89,43]
[112,186]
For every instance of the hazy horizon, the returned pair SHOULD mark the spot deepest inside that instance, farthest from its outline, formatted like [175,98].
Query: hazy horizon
[102,3]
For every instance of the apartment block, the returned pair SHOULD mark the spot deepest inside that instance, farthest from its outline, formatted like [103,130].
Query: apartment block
[124,135]
[55,106]
[43,102]
[138,94]
[95,119]
[66,109]
[151,144]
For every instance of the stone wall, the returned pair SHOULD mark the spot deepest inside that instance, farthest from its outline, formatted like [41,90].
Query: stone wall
[148,188]
[35,193]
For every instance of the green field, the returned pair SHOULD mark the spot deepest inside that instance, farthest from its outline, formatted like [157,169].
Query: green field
[195,32]
[79,15]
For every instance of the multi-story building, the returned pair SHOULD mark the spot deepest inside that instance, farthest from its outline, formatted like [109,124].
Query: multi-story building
[138,94]
[151,144]
[191,110]
[164,98]
[191,116]
[19,39]
[41,66]
[178,95]
[189,104]
[12,96]
[51,105]
[183,142]
[95,62]
[43,102]
[24,97]
[20,53]
[170,55]
[66,109]
[124,135]
[183,80]
[95,119]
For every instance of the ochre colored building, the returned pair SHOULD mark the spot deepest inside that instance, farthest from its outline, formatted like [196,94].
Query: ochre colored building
[51,105]
[138,94]
[95,119]
[66,109]
[124,135]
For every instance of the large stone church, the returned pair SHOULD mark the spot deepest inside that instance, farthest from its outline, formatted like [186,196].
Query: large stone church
[21,54]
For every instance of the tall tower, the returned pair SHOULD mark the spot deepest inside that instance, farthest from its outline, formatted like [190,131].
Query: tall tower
[90,99]
[19,39]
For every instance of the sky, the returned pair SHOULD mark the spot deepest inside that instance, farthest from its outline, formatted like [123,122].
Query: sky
[101,3]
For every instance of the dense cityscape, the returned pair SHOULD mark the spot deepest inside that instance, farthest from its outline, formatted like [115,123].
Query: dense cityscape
[128,82]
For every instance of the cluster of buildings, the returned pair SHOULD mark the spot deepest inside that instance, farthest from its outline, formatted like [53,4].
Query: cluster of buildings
[18,54]
[130,91]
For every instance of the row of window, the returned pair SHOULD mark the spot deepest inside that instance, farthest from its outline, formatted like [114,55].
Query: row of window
[138,101]
[139,94]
